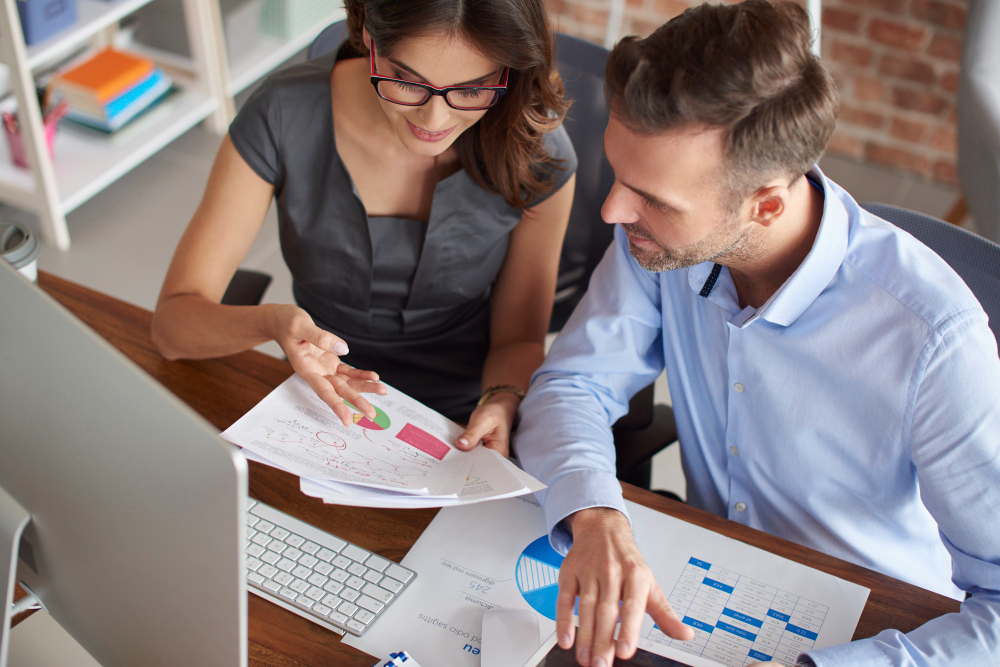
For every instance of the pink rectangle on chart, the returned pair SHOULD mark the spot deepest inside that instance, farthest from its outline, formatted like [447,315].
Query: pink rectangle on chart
[423,441]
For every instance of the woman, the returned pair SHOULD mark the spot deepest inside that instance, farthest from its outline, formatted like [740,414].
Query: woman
[423,184]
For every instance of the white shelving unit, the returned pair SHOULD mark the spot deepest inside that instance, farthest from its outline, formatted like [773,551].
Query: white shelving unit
[86,164]
[270,52]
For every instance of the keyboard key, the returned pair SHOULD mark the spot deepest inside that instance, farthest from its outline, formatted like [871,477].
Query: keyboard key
[279,533]
[354,625]
[364,616]
[272,586]
[391,584]
[316,593]
[357,568]
[261,539]
[294,540]
[302,572]
[398,573]
[299,586]
[376,563]
[347,608]
[373,577]
[276,546]
[320,609]
[332,600]
[322,568]
[264,526]
[317,579]
[251,519]
[288,593]
[302,528]
[292,553]
[349,594]
[268,571]
[284,578]
[355,582]
[370,604]
[253,564]
[333,587]
[307,560]
[355,553]
[285,564]
[310,547]
[270,557]
[304,601]
[337,617]
[255,550]
[377,592]
[255,578]
[339,575]
[342,562]
[326,554]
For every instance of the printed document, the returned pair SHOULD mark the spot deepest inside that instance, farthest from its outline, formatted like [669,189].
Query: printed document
[744,603]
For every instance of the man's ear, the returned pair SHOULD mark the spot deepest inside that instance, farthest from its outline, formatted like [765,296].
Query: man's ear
[768,203]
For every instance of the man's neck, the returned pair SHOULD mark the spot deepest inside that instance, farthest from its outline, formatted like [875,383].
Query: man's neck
[782,247]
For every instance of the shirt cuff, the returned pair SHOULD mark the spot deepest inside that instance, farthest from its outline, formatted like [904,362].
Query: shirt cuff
[577,491]
[862,653]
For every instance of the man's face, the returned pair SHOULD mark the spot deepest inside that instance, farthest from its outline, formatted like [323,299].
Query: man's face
[669,197]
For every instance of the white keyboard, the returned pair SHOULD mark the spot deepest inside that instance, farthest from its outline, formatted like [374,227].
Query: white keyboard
[333,583]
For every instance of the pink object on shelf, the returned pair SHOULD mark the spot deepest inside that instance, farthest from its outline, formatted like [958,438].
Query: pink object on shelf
[423,441]
[16,141]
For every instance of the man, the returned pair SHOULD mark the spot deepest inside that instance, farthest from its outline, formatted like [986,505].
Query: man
[834,382]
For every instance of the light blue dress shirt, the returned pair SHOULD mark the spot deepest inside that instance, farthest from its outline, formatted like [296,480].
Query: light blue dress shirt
[856,412]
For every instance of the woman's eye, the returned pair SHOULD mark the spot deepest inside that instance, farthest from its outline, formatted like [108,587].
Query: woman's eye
[409,88]
[470,92]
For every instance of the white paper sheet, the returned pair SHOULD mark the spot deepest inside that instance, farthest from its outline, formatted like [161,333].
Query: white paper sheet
[408,448]
[478,557]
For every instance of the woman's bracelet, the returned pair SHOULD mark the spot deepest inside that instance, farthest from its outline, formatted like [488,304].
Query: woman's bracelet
[499,389]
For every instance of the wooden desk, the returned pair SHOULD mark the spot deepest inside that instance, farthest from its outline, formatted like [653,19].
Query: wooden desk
[222,390]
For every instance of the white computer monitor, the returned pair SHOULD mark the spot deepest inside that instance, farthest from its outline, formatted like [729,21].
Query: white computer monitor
[135,543]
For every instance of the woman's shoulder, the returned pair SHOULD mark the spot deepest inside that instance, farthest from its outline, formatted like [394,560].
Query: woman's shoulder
[559,146]
[308,79]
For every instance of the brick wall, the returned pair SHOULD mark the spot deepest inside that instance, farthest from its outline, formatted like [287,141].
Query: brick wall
[895,62]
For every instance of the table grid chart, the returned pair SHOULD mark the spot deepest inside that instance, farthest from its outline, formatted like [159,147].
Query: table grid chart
[737,620]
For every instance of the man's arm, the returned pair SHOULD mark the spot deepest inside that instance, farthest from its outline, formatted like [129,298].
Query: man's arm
[955,448]
[610,349]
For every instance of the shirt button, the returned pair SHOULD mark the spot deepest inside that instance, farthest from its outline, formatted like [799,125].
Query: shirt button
[740,507]
[738,387]
[734,451]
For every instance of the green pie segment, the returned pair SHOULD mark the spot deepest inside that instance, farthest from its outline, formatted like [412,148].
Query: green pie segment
[380,423]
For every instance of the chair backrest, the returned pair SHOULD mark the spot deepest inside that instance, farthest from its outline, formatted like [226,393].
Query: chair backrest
[581,65]
[974,258]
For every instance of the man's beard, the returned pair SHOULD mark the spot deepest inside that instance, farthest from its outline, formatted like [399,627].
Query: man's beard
[724,244]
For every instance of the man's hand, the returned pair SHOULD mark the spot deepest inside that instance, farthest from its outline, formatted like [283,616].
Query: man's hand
[603,567]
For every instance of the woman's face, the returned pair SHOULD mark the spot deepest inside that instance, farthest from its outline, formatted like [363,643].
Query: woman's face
[440,60]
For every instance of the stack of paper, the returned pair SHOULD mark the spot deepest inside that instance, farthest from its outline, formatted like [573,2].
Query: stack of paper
[402,458]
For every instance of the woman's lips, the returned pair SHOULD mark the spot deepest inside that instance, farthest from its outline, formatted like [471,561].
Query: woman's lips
[424,135]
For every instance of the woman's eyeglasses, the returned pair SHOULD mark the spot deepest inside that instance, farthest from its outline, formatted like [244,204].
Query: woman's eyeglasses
[413,94]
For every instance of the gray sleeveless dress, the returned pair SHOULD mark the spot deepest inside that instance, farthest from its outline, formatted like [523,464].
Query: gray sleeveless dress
[411,298]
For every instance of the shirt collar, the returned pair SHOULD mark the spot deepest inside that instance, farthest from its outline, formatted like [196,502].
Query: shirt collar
[809,279]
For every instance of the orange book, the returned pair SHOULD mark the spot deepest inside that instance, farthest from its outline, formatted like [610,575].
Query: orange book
[105,76]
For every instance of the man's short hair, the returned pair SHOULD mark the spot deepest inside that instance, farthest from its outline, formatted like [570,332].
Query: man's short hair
[746,68]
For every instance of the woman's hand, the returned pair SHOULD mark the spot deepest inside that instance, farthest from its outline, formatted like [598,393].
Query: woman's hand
[491,422]
[315,356]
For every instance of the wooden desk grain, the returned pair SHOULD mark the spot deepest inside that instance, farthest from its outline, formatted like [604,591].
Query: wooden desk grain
[222,390]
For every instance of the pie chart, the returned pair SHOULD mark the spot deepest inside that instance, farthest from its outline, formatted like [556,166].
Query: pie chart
[381,419]
[537,575]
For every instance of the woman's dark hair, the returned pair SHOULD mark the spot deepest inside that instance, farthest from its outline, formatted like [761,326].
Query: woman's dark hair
[746,68]
[504,152]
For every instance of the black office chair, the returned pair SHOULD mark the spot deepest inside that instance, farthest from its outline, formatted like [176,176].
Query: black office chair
[974,258]
[647,428]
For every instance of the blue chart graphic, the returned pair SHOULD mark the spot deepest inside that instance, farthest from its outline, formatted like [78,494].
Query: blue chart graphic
[537,575]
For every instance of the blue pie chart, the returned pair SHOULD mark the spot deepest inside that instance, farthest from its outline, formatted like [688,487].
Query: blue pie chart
[537,575]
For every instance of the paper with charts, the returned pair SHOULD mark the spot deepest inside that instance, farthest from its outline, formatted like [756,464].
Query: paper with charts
[403,455]
[745,605]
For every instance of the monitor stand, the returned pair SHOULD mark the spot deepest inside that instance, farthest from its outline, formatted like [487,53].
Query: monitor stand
[13,519]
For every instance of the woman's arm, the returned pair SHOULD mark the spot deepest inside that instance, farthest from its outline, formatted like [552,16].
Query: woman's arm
[190,322]
[519,320]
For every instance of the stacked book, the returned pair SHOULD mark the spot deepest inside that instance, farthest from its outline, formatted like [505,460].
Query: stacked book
[110,89]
